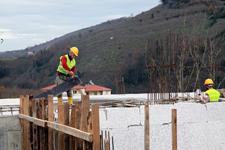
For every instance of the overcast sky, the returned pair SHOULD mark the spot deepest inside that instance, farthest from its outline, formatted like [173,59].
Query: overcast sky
[25,23]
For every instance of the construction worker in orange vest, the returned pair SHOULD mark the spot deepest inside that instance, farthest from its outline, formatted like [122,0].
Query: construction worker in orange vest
[211,95]
[67,70]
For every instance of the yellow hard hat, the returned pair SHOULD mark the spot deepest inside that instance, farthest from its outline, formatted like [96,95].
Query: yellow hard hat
[208,82]
[74,50]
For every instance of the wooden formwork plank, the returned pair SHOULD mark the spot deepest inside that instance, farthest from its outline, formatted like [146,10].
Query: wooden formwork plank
[66,122]
[85,107]
[21,120]
[50,118]
[31,123]
[72,124]
[77,120]
[146,128]
[89,122]
[45,130]
[21,104]
[71,131]
[34,129]
[61,142]
[26,135]
[39,122]
[84,112]
[38,115]
[95,127]
[174,129]
[42,130]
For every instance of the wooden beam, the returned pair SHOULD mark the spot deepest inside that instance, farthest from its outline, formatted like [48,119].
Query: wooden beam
[95,127]
[146,128]
[36,121]
[59,127]
[174,129]
[71,131]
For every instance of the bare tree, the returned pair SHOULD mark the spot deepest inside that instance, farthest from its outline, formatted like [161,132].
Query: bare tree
[184,60]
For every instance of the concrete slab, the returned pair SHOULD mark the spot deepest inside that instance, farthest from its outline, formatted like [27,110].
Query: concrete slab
[14,140]
[10,133]
[200,126]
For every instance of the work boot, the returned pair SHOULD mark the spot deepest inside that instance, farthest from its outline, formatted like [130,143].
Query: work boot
[70,100]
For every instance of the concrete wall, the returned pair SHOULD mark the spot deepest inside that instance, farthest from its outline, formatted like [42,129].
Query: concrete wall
[10,133]
[200,126]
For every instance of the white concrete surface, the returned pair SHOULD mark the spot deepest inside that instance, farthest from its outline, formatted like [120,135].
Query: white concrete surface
[200,126]
[10,133]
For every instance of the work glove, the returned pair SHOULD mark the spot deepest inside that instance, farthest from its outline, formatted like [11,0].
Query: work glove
[71,73]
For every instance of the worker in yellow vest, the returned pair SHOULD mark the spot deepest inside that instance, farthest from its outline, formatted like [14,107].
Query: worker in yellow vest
[66,70]
[211,95]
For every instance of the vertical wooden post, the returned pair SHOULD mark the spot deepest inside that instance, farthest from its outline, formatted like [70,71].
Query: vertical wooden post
[45,118]
[31,124]
[95,127]
[21,104]
[43,139]
[66,122]
[61,143]
[50,118]
[174,129]
[26,135]
[77,120]
[21,120]
[35,130]
[84,115]
[39,132]
[84,112]
[72,124]
[146,132]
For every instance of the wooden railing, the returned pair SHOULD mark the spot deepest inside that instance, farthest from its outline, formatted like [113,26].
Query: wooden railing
[75,128]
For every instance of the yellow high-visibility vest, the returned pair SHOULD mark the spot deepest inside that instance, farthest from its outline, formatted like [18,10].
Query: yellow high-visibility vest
[213,94]
[69,63]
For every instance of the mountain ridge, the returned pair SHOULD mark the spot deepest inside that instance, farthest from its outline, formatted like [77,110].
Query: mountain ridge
[113,53]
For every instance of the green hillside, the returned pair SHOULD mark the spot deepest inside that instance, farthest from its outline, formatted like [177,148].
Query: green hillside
[172,47]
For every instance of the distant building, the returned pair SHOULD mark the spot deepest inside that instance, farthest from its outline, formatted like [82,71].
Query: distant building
[30,53]
[87,89]
[91,90]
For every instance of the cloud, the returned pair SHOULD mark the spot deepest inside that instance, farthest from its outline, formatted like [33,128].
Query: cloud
[22,22]
[7,34]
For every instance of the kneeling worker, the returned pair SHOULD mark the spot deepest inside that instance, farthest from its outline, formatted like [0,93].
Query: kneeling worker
[66,70]
[211,95]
